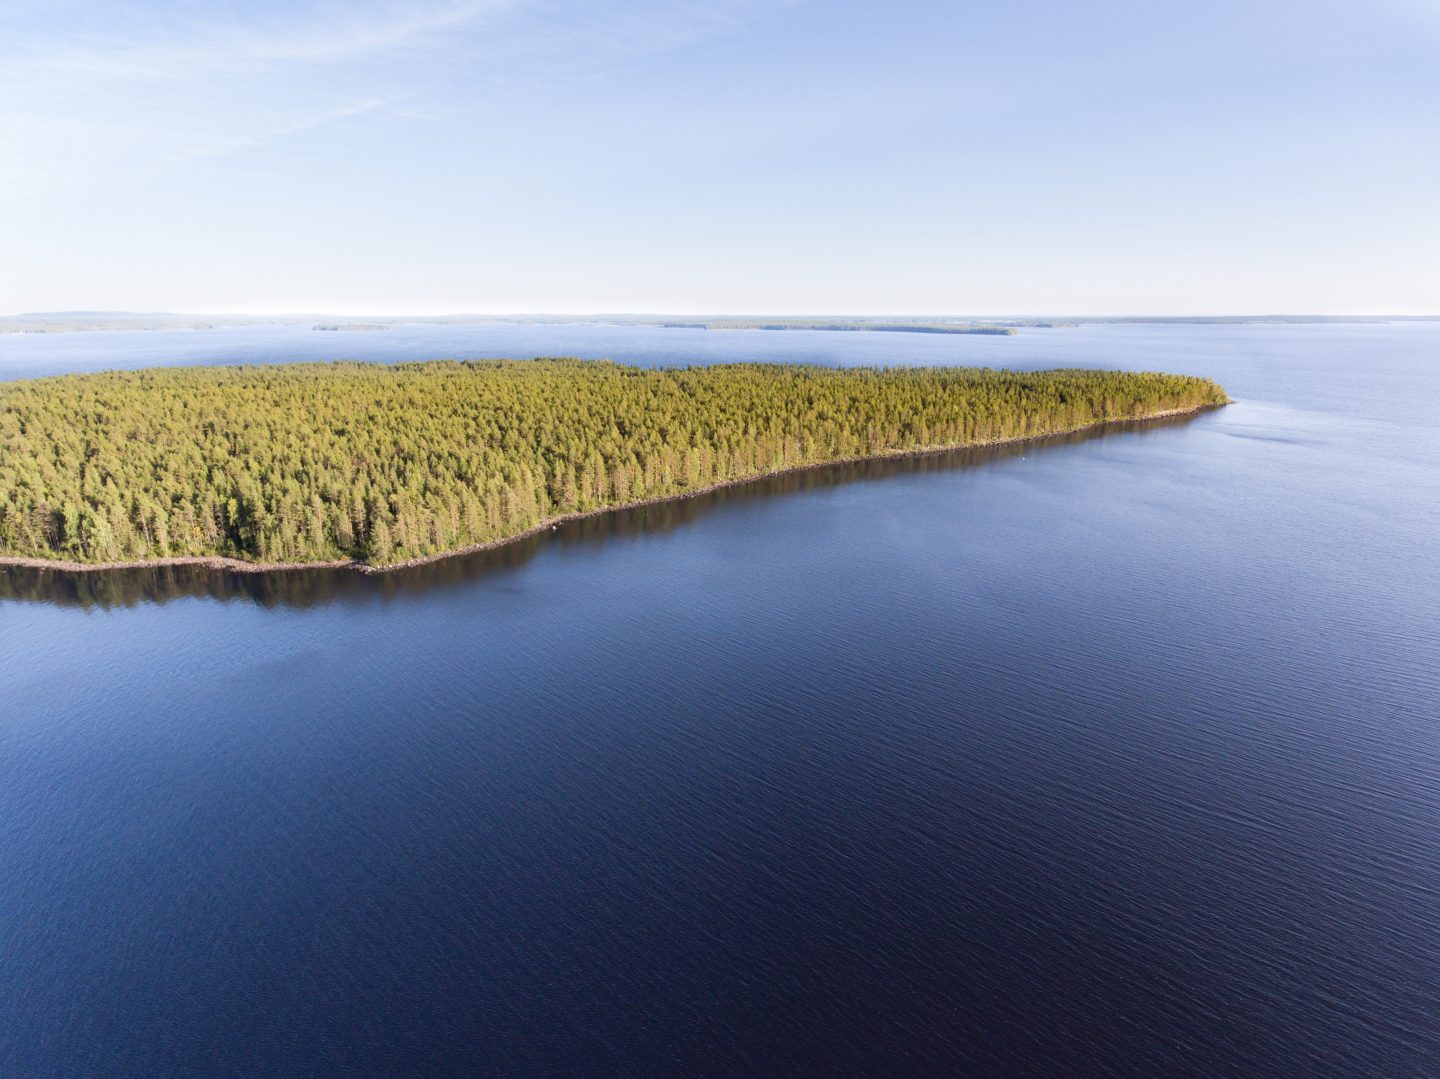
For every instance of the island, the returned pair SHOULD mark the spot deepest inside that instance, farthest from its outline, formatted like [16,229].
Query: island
[845,325]
[374,466]
[1002,325]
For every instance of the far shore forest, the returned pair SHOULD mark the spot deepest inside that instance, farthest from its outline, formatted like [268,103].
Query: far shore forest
[387,463]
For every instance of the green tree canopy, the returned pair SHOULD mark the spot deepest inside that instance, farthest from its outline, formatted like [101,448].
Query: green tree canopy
[312,462]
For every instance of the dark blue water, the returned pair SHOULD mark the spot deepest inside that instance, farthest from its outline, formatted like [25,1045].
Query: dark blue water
[1118,755]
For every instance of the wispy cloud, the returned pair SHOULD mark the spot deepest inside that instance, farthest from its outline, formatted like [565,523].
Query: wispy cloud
[111,97]
[108,90]
[300,127]
[182,47]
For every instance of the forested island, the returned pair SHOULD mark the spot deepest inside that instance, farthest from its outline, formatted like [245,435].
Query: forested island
[843,325]
[77,321]
[380,465]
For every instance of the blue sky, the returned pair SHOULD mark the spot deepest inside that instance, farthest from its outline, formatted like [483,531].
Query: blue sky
[366,156]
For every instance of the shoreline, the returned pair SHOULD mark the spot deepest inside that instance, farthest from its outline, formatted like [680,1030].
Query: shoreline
[237,565]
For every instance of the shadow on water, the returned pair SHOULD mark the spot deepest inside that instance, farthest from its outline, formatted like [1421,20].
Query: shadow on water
[309,588]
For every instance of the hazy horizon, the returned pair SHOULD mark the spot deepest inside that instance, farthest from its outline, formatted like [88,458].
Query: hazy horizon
[963,316]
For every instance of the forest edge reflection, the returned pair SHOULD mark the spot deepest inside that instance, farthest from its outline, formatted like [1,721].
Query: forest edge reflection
[304,587]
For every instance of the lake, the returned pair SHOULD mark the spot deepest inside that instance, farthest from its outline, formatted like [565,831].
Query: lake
[1117,754]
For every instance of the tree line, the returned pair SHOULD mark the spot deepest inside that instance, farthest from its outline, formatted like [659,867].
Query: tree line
[384,463]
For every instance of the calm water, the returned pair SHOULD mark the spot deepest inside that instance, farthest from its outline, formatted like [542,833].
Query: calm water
[1113,755]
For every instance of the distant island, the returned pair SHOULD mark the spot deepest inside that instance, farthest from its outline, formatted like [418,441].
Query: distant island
[841,325]
[77,321]
[377,466]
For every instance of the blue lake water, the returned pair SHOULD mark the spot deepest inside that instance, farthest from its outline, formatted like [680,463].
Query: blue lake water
[1113,755]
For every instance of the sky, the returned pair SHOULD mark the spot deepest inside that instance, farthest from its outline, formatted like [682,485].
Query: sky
[720,156]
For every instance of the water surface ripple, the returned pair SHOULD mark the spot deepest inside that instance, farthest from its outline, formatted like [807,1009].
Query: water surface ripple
[1117,755]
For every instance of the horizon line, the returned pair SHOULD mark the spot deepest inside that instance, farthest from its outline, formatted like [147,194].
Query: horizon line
[84,313]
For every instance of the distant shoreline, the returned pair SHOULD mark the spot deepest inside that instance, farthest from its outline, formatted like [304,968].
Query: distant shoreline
[236,565]
[848,326]
[63,322]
